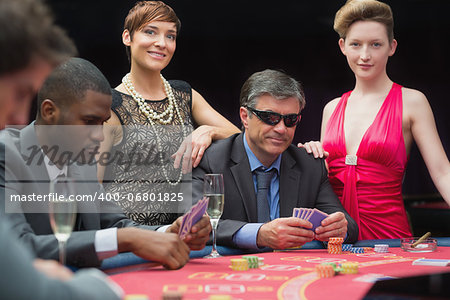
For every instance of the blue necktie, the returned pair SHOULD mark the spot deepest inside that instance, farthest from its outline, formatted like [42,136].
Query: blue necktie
[263,180]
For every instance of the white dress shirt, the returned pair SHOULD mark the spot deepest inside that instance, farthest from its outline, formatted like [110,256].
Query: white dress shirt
[105,239]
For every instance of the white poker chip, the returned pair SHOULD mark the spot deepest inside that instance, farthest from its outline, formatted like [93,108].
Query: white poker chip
[381,248]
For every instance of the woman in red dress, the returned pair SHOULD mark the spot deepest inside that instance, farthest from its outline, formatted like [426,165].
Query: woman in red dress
[368,131]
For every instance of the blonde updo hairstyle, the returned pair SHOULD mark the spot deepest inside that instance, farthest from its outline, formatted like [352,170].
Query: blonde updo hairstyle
[144,12]
[363,10]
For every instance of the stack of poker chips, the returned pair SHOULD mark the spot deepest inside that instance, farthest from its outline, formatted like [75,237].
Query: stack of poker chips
[349,267]
[357,250]
[260,261]
[220,297]
[253,261]
[325,270]
[239,264]
[136,297]
[335,245]
[347,247]
[381,248]
[172,295]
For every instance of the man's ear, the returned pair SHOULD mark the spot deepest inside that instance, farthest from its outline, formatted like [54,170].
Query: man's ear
[243,113]
[50,113]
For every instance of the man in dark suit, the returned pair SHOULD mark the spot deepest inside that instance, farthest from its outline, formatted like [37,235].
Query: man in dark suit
[271,103]
[32,45]
[77,94]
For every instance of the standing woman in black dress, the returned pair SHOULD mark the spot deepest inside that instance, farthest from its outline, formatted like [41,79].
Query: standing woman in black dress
[159,129]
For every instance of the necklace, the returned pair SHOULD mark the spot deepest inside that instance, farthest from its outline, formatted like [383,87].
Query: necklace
[145,108]
[154,116]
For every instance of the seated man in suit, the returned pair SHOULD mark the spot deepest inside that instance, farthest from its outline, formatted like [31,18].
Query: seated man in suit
[32,45]
[77,94]
[271,102]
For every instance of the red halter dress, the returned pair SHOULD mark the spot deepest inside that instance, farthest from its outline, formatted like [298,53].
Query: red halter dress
[369,185]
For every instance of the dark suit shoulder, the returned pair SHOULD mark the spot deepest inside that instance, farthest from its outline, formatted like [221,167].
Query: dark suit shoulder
[10,141]
[298,158]
[220,145]
[301,156]
[9,134]
[217,156]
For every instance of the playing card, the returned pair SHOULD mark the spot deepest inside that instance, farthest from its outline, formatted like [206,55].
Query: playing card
[432,262]
[302,213]
[316,218]
[308,214]
[193,216]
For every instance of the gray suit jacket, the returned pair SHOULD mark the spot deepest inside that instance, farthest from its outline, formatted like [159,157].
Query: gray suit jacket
[303,183]
[25,174]
[20,280]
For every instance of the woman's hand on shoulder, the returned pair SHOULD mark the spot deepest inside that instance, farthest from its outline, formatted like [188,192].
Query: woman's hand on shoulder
[191,151]
[314,147]
[211,126]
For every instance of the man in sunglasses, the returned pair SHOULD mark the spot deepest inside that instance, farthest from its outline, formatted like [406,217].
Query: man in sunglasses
[266,177]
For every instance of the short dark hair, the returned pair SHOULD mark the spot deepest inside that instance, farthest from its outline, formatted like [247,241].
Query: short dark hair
[271,82]
[70,81]
[27,27]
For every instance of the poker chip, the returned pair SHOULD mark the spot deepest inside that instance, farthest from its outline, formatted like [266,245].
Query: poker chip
[357,250]
[253,261]
[331,264]
[381,248]
[261,261]
[220,297]
[367,249]
[349,267]
[346,247]
[337,268]
[171,295]
[335,245]
[239,264]
[136,297]
[336,240]
[325,270]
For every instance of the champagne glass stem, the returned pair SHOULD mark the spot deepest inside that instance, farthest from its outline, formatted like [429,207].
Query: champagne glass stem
[214,227]
[62,252]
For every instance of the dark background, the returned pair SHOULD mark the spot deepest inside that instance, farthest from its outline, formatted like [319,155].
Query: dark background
[222,43]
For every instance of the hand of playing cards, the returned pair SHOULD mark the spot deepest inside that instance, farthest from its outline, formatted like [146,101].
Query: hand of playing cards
[193,216]
[314,216]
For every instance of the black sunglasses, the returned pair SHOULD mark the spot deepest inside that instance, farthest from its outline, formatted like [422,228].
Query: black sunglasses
[273,118]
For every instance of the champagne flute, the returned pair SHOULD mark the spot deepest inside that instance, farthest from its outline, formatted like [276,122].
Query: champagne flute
[214,190]
[62,212]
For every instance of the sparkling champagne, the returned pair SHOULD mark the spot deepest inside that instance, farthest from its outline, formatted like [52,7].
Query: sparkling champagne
[215,206]
[62,218]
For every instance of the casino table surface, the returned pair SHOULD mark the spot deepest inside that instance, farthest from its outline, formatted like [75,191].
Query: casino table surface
[285,274]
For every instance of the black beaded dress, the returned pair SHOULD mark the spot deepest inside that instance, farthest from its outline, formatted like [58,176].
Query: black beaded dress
[135,174]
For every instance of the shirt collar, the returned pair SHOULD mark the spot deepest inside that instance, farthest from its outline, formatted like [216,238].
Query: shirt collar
[255,163]
[52,170]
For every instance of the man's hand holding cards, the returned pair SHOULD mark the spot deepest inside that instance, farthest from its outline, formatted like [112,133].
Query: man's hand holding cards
[324,226]
[313,215]
[194,226]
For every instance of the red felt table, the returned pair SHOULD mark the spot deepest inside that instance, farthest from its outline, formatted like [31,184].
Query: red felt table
[285,275]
